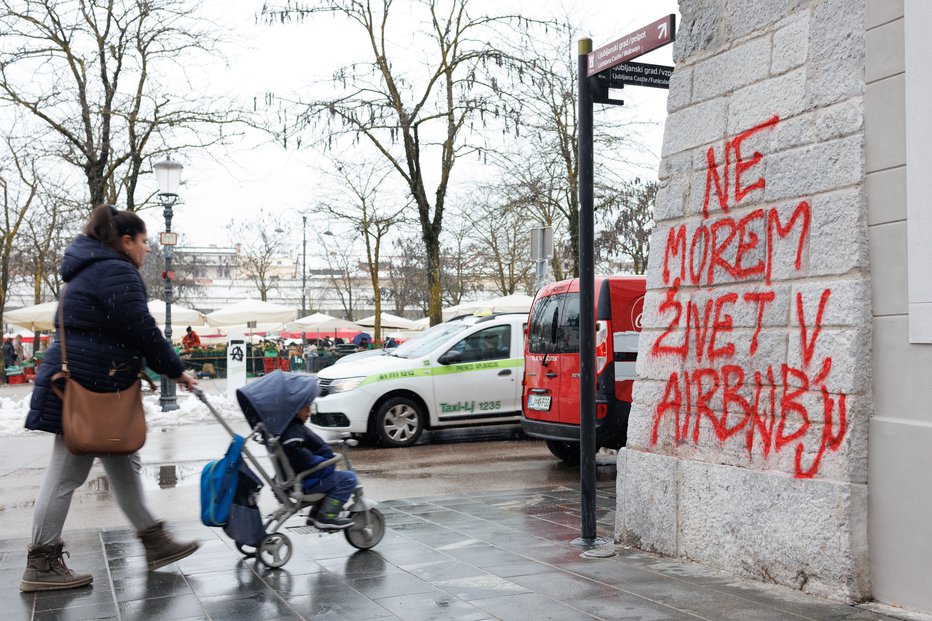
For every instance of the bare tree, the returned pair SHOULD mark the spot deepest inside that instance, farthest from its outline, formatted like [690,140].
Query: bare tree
[96,75]
[341,255]
[19,189]
[501,228]
[258,247]
[629,220]
[361,204]
[407,280]
[461,260]
[414,120]
[546,164]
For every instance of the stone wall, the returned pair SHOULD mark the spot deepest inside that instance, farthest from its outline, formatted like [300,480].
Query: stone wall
[747,445]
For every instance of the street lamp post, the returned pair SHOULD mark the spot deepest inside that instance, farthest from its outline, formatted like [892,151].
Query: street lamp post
[168,174]
[303,278]
[303,274]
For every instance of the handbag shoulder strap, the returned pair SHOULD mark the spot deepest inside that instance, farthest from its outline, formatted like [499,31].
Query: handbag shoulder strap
[61,329]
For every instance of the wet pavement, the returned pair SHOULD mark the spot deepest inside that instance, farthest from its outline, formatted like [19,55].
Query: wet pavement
[495,555]
[479,526]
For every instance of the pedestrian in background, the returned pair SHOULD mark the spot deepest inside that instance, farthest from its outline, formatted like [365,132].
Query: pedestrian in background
[109,332]
[19,349]
[9,352]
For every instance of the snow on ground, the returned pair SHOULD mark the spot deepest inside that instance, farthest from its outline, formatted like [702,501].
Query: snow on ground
[13,410]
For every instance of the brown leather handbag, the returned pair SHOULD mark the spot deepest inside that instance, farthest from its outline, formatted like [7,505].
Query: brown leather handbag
[98,423]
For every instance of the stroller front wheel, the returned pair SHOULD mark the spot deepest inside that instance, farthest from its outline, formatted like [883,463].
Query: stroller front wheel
[367,529]
[274,550]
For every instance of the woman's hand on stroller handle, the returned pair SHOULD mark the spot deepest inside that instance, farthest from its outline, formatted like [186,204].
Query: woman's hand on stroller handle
[185,381]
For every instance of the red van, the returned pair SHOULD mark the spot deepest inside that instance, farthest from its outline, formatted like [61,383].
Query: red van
[551,363]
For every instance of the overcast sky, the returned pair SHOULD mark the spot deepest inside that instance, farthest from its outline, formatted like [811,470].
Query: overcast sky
[251,175]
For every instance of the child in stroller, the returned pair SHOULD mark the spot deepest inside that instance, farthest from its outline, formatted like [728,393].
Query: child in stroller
[276,406]
[305,450]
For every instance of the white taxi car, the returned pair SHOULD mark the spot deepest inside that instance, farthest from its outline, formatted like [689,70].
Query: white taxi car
[463,372]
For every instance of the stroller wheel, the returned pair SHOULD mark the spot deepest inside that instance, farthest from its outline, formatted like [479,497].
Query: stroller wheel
[246,551]
[274,550]
[367,529]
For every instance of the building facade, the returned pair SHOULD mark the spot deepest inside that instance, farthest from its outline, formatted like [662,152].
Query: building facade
[780,428]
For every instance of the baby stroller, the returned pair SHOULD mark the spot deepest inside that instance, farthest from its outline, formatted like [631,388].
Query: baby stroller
[269,404]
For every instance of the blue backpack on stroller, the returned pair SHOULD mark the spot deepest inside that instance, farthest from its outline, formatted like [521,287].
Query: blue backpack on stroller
[219,480]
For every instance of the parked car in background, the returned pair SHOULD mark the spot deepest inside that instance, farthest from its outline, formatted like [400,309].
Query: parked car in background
[551,363]
[459,373]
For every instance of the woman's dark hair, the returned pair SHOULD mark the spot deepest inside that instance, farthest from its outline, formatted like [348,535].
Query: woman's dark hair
[108,224]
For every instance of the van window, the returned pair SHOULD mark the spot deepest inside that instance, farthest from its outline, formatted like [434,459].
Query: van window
[554,327]
[490,344]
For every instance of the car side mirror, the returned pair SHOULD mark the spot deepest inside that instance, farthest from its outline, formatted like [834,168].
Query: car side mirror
[450,357]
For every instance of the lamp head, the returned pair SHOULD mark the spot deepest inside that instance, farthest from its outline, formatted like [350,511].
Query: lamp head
[168,174]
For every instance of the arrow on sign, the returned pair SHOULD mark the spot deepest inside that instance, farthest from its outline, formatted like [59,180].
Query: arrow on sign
[663,30]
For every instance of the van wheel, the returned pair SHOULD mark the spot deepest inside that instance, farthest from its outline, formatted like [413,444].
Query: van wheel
[398,422]
[567,452]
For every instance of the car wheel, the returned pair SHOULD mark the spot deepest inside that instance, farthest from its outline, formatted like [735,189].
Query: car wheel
[398,422]
[567,452]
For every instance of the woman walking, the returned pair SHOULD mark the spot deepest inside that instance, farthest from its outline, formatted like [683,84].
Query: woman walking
[109,333]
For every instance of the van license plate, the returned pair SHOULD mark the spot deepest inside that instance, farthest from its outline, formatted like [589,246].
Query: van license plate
[538,402]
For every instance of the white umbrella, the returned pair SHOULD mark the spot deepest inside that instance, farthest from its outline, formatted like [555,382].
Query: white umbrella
[181,315]
[241,313]
[389,321]
[38,317]
[320,322]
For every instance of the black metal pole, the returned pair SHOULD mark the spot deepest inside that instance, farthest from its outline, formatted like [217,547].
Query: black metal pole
[587,447]
[303,279]
[168,399]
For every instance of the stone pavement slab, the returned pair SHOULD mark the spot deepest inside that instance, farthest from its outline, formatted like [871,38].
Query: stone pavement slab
[499,555]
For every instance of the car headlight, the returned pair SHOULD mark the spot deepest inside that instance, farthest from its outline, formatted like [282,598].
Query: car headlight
[342,385]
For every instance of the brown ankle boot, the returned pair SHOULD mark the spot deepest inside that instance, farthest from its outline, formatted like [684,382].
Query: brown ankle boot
[46,570]
[161,549]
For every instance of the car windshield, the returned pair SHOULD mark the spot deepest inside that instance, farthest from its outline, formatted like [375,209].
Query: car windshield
[427,341]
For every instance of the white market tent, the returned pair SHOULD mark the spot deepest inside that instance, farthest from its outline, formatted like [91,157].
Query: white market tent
[514,303]
[38,317]
[421,324]
[320,322]
[241,313]
[388,322]
[181,315]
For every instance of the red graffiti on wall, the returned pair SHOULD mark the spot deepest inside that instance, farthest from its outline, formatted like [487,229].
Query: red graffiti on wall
[775,406]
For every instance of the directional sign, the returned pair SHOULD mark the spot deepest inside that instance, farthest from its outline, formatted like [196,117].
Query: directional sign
[632,45]
[636,74]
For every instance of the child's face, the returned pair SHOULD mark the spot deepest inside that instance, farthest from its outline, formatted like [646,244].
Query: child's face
[304,413]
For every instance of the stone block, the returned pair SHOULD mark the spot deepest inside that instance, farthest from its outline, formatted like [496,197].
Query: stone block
[671,199]
[744,17]
[836,51]
[840,120]
[680,94]
[784,96]
[790,43]
[732,518]
[646,515]
[847,349]
[800,173]
[726,72]
[847,305]
[699,32]
[696,125]
[839,242]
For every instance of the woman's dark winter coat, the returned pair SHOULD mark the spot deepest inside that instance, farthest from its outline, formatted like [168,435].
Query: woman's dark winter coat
[108,328]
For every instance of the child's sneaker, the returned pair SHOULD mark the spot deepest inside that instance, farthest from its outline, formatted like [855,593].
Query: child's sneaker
[330,521]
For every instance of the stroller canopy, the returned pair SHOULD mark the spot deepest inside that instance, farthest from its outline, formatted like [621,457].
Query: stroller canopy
[275,399]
